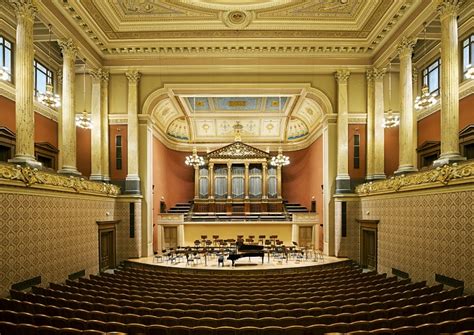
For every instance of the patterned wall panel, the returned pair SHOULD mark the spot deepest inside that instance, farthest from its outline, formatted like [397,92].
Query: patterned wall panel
[424,233]
[53,234]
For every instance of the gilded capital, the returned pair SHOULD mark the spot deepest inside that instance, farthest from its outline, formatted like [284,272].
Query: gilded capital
[405,46]
[25,9]
[68,47]
[342,76]
[100,74]
[448,8]
[370,74]
[133,76]
[379,73]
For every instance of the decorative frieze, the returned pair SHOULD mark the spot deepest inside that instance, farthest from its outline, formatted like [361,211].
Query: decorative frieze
[440,176]
[31,177]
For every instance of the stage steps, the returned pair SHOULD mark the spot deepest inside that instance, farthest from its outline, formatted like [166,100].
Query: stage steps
[295,208]
[180,208]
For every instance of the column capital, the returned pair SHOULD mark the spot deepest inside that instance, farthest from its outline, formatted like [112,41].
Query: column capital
[405,46]
[68,47]
[99,74]
[25,9]
[342,76]
[133,76]
[447,8]
[379,73]
[369,74]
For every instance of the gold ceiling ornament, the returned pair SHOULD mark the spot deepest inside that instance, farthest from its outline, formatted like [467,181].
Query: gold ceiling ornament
[436,177]
[238,131]
[390,121]
[49,98]
[237,19]
[30,177]
[84,120]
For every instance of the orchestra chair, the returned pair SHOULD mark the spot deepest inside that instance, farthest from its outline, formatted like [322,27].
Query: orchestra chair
[157,258]
[215,238]
[261,239]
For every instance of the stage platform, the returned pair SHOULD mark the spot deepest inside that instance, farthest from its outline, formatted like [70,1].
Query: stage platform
[243,264]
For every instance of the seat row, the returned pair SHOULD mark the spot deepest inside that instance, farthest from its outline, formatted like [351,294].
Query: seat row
[236,311]
[270,303]
[410,325]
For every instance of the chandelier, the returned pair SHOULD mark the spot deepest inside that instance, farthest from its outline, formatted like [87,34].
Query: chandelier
[390,120]
[426,99]
[194,159]
[49,98]
[84,121]
[4,74]
[280,159]
[470,72]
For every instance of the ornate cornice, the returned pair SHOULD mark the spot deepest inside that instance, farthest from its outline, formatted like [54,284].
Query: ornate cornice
[25,9]
[405,46]
[28,177]
[68,47]
[133,77]
[342,76]
[440,176]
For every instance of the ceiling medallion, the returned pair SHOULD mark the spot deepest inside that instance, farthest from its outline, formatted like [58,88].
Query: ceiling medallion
[237,19]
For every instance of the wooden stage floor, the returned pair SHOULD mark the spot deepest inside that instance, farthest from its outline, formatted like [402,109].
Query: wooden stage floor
[254,263]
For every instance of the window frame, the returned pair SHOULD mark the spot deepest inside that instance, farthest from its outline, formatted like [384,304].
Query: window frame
[48,74]
[5,48]
[426,76]
[467,43]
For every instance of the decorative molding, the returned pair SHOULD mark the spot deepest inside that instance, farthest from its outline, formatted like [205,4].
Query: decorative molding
[237,19]
[238,150]
[440,176]
[29,177]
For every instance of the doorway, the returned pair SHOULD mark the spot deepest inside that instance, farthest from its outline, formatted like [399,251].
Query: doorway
[368,244]
[170,237]
[107,245]
[305,236]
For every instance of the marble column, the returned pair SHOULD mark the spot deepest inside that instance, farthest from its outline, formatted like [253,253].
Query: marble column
[343,180]
[448,10]
[229,180]
[246,181]
[104,124]
[370,124]
[96,131]
[196,182]
[379,130]
[68,129]
[132,182]
[25,11]
[211,181]
[407,151]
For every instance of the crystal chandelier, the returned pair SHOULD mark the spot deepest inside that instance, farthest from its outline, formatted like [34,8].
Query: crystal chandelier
[470,72]
[49,98]
[84,121]
[194,159]
[390,120]
[426,99]
[280,159]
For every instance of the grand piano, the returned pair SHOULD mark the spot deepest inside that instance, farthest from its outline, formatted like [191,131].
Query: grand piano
[246,250]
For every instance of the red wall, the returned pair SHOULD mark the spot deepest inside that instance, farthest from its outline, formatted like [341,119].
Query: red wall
[391,150]
[361,172]
[83,151]
[172,179]
[302,179]
[7,113]
[466,111]
[46,130]
[429,128]
[115,130]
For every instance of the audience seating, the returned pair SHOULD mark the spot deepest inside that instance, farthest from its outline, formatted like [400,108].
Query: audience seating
[152,301]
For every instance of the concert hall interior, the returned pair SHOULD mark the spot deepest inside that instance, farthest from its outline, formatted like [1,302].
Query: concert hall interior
[312,159]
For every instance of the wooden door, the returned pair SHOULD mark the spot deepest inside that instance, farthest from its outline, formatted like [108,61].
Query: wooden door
[369,248]
[170,237]
[305,237]
[106,250]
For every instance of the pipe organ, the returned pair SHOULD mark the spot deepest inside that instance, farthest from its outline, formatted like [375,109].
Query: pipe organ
[237,177]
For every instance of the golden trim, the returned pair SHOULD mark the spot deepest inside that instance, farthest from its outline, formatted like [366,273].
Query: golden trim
[440,176]
[34,177]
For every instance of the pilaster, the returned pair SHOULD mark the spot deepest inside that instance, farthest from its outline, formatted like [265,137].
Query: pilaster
[132,181]
[343,180]
[378,131]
